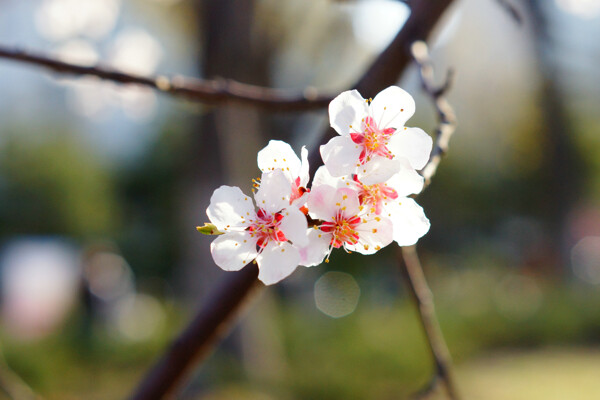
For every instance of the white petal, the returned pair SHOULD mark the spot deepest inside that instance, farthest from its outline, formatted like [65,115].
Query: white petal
[320,202]
[392,107]
[346,112]
[300,201]
[304,168]
[279,155]
[232,250]
[274,192]
[230,207]
[340,155]
[410,222]
[373,236]
[407,181]
[293,225]
[277,261]
[346,199]
[317,248]
[413,144]
[323,177]
[378,170]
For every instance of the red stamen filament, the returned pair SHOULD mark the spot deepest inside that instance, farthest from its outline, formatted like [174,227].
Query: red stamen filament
[373,139]
[374,196]
[266,228]
[342,229]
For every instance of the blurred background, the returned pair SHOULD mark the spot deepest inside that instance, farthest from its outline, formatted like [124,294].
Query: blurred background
[102,186]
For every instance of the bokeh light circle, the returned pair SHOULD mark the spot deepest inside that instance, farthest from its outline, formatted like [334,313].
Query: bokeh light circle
[336,294]
[585,258]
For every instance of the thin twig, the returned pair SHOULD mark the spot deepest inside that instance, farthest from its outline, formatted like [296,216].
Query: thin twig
[212,92]
[411,267]
[446,117]
[421,294]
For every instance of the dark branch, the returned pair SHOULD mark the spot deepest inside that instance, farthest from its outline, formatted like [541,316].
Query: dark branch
[423,298]
[212,92]
[197,341]
[411,267]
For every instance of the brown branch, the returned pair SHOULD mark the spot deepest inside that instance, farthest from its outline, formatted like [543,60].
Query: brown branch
[422,296]
[197,341]
[390,64]
[212,92]
[411,267]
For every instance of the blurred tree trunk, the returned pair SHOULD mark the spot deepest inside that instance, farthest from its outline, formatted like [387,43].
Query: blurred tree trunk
[223,141]
[562,165]
[222,149]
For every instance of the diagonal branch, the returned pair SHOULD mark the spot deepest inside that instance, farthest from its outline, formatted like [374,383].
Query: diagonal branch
[196,342]
[423,298]
[212,92]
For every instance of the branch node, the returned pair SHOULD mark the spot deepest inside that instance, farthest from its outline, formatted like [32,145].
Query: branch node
[163,83]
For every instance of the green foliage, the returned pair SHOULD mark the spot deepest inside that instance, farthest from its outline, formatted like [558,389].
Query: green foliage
[54,187]
[148,195]
[377,352]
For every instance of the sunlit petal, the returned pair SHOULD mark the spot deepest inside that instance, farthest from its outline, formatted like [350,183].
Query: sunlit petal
[340,155]
[277,261]
[233,250]
[413,144]
[229,208]
[392,107]
[346,112]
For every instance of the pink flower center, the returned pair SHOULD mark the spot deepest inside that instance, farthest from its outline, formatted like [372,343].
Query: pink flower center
[373,139]
[343,230]
[266,228]
[374,196]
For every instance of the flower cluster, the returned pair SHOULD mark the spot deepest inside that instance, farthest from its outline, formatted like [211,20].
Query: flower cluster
[359,199]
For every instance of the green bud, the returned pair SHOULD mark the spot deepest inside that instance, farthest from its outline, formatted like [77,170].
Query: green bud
[209,229]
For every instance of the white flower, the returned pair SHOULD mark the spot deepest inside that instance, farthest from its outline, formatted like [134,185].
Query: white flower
[262,235]
[373,136]
[342,222]
[388,199]
[278,155]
